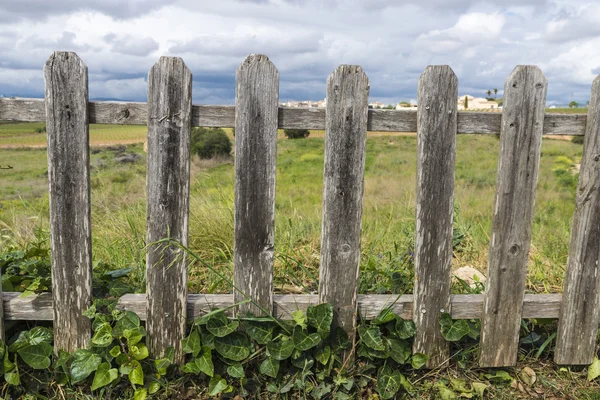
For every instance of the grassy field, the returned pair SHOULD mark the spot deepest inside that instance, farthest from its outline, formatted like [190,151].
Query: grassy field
[118,211]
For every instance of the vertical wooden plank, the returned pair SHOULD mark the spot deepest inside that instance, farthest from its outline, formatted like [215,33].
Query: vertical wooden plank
[168,187]
[580,310]
[2,333]
[66,93]
[436,142]
[345,146]
[256,111]
[520,143]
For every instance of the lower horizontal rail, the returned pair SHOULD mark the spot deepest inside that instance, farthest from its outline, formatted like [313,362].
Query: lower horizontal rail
[38,307]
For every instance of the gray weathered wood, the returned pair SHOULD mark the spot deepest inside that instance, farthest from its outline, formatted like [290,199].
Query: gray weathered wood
[257,97]
[168,186]
[578,325]
[2,333]
[289,118]
[436,154]
[66,82]
[520,142]
[343,183]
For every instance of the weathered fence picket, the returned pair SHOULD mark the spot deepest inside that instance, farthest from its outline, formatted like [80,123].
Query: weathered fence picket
[436,154]
[169,114]
[343,182]
[67,127]
[580,313]
[257,99]
[520,145]
[168,187]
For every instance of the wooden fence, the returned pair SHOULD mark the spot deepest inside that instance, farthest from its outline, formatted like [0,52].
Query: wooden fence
[170,115]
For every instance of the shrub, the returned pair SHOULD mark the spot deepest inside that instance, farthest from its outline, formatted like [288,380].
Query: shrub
[577,139]
[210,142]
[296,133]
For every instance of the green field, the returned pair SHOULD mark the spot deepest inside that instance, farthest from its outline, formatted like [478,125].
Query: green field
[118,211]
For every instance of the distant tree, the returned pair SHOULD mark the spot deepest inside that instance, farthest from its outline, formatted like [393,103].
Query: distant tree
[489,93]
[573,104]
[466,102]
[296,133]
[495,93]
[210,142]
[389,107]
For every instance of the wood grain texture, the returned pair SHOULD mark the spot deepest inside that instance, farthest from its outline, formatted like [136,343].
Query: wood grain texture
[66,93]
[436,154]
[257,97]
[578,324]
[2,333]
[168,193]
[469,122]
[518,164]
[343,183]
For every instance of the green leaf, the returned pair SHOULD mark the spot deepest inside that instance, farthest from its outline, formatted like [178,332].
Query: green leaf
[204,361]
[139,351]
[140,394]
[135,335]
[261,333]
[386,315]
[236,371]
[117,273]
[40,334]
[322,354]
[115,351]
[299,318]
[220,326]
[13,377]
[103,336]
[191,368]
[371,337]
[453,331]
[90,312]
[460,385]
[269,367]
[405,329]
[136,376]
[445,393]
[104,375]
[419,360]
[280,350]
[340,340]
[217,385]
[84,363]
[191,344]
[320,317]
[161,365]
[594,370]
[126,320]
[303,340]
[479,388]
[37,356]
[499,376]
[154,387]
[388,382]
[400,350]
[234,347]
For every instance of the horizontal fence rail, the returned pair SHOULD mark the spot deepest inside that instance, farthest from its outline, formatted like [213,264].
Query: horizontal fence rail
[122,113]
[169,115]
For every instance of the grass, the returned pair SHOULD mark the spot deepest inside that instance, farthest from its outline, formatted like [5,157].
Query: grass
[118,211]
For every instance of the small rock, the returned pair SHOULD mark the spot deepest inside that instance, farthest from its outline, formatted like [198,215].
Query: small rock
[469,275]
[117,149]
[128,158]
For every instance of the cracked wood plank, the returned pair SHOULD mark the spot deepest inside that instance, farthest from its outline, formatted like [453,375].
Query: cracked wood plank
[257,97]
[518,165]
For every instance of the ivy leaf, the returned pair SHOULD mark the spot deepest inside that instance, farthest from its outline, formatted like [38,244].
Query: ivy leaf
[371,337]
[140,394]
[115,351]
[453,331]
[191,368]
[13,377]
[136,376]
[419,360]
[161,365]
[303,340]
[138,351]
[260,333]
[386,315]
[126,320]
[37,356]
[154,387]
[233,347]
[321,317]
[217,385]
[191,344]
[388,382]
[269,367]
[299,318]
[445,393]
[40,334]
[594,370]
[322,354]
[104,375]
[236,371]
[499,376]
[280,350]
[399,350]
[220,326]
[340,340]
[479,388]
[84,363]
[103,336]
[205,363]
[405,329]
[135,335]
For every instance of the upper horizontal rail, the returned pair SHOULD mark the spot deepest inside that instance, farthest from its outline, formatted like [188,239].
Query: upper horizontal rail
[130,113]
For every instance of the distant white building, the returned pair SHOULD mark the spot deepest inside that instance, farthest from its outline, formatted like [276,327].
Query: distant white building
[476,103]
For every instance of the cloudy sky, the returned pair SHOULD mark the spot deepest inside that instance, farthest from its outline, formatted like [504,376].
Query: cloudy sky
[392,40]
